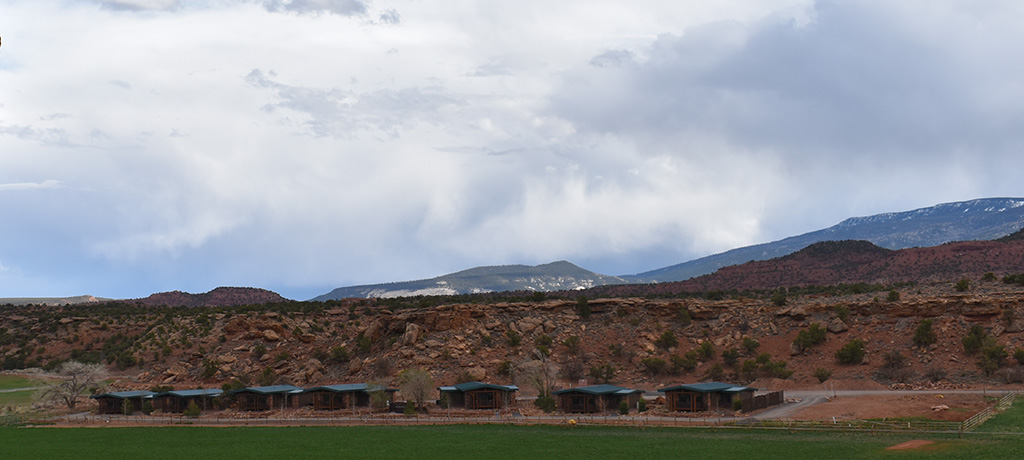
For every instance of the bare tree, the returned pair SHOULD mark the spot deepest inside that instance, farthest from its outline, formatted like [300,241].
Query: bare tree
[75,378]
[416,385]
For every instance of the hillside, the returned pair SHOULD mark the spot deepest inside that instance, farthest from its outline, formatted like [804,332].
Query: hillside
[555,276]
[975,220]
[850,262]
[219,297]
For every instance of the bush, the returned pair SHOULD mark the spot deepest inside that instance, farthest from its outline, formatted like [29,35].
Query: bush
[655,366]
[687,362]
[340,355]
[988,277]
[513,338]
[924,335]
[843,313]
[716,372]
[684,316]
[192,410]
[737,405]
[545,403]
[641,405]
[935,374]
[822,374]
[813,335]
[624,407]
[667,340]
[257,352]
[895,367]
[750,345]
[706,350]
[976,339]
[893,296]
[1018,355]
[147,407]
[962,285]
[731,357]
[572,344]
[583,307]
[851,353]
[603,373]
[779,298]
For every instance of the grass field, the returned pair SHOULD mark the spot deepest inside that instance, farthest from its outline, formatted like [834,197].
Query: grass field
[8,382]
[480,442]
[1009,421]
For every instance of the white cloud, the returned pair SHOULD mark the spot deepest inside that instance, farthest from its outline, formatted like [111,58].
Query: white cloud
[304,145]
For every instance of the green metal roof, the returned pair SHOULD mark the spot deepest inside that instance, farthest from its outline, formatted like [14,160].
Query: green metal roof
[124,394]
[709,387]
[211,392]
[470,386]
[273,389]
[350,387]
[599,390]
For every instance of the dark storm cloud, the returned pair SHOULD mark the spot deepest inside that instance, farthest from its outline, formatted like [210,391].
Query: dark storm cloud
[855,80]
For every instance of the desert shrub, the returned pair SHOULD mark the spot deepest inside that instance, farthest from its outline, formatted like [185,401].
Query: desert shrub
[924,335]
[715,372]
[410,408]
[209,368]
[779,298]
[147,407]
[684,316]
[976,339]
[603,373]
[895,367]
[572,344]
[267,377]
[655,366]
[813,335]
[687,362]
[583,307]
[505,368]
[340,355]
[988,277]
[1011,374]
[706,350]
[778,369]
[843,313]
[545,403]
[463,377]
[513,339]
[962,285]
[616,350]
[544,340]
[893,296]
[258,351]
[1018,355]
[822,374]
[641,405]
[543,351]
[667,340]
[992,358]
[851,353]
[730,357]
[574,369]
[750,345]
[1014,279]
[624,407]
[935,374]
[364,343]
[737,405]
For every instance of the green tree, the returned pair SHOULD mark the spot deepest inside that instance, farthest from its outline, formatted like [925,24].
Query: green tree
[924,335]
[583,307]
[667,340]
[822,374]
[962,285]
[851,353]
[813,335]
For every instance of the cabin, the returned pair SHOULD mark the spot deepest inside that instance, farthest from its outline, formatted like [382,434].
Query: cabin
[266,398]
[479,395]
[178,400]
[596,398]
[114,403]
[346,396]
[702,397]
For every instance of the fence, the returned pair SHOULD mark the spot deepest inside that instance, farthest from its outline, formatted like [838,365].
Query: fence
[762,401]
[1002,404]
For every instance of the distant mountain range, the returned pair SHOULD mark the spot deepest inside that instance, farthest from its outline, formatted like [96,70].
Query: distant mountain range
[555,276]
[975,220]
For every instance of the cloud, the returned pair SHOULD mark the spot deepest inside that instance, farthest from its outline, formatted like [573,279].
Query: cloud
[140,5]
[390,16]
[339,7]
[47,184]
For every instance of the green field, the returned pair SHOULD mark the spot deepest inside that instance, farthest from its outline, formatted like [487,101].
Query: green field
[481,442]
[8,382]
[1009,421]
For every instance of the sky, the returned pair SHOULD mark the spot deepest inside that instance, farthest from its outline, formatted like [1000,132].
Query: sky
[302,145]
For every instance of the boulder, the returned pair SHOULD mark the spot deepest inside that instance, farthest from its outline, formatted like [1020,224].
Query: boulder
[411,335]
[837,325]
[270,336]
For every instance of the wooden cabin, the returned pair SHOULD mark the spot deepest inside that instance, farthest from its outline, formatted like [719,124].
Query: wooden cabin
[596,398]
[266,398]
[479,395]
[346,396]
[703,397]
[114,403]
[178,400]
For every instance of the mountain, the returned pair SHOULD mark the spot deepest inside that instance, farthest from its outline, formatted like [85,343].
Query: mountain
[555,276]
[219,297]
[50,300]
[831,263]
[982,219]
